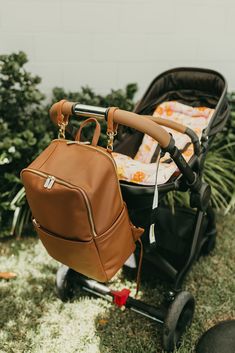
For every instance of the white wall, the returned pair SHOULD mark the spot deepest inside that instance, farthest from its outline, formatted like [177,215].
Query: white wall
[108,43]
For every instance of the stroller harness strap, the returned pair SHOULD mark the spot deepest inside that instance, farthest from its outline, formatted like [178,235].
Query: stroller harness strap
[78,211]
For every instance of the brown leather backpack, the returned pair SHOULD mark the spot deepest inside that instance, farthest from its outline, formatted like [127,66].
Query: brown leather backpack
[76,202]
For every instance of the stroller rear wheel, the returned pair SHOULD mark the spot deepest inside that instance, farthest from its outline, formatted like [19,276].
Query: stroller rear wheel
[179,316]
[65,283]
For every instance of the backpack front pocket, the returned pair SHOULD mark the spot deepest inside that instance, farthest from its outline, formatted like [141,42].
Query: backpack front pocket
[58,206]
[81,256]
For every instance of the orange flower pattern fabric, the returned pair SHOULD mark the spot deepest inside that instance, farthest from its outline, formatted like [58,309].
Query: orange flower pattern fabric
[139,170]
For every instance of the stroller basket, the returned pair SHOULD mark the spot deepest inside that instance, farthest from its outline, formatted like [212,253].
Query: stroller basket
[180,237]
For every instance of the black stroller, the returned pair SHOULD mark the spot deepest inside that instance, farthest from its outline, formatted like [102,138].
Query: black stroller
[180,238]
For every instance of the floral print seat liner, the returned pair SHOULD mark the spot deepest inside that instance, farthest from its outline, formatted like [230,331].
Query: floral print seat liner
[140,170]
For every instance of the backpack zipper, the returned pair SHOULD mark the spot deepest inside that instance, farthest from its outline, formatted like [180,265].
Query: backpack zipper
[50,180]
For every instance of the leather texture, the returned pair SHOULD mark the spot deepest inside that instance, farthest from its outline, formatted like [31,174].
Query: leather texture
[61,118]
[111,125]
[97,131]
[79,214]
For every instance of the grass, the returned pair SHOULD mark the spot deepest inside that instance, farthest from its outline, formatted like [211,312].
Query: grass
[33,320]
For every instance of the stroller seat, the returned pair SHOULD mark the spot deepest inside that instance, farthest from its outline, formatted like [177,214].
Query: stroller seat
[142,168]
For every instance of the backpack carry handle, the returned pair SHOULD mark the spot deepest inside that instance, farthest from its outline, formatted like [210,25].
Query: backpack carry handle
[96,134]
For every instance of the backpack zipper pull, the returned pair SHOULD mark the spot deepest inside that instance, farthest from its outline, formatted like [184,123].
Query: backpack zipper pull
[49,182]
[52,180]
[48,179]
[35,223]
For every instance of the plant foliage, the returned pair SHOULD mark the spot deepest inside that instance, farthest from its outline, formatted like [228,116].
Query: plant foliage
[23,128]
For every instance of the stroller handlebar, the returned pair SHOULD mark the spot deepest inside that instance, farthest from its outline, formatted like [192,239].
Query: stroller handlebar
[123,117]
[61,111]
[143,124]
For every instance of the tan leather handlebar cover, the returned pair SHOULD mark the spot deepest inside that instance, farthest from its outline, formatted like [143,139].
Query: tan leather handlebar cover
[168,123]
[133,120]
[143,124]
[66,110]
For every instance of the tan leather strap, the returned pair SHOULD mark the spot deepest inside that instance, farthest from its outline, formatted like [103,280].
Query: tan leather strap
[61,118]
[139,268]
[96,135]
[111,126]
[61,108]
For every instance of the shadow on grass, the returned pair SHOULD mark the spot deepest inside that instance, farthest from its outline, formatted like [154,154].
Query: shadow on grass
[23,301]
[126,331]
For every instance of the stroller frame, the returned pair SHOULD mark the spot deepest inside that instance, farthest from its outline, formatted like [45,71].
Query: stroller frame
[177,311]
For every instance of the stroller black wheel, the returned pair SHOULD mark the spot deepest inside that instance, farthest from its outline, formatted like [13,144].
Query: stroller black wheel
[179,317]
[65,283]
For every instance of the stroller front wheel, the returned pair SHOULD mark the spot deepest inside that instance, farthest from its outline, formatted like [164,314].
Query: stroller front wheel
[65,283]
[179,317]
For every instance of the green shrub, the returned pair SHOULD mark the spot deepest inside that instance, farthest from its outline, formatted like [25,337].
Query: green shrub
[23,128]
[219,173]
